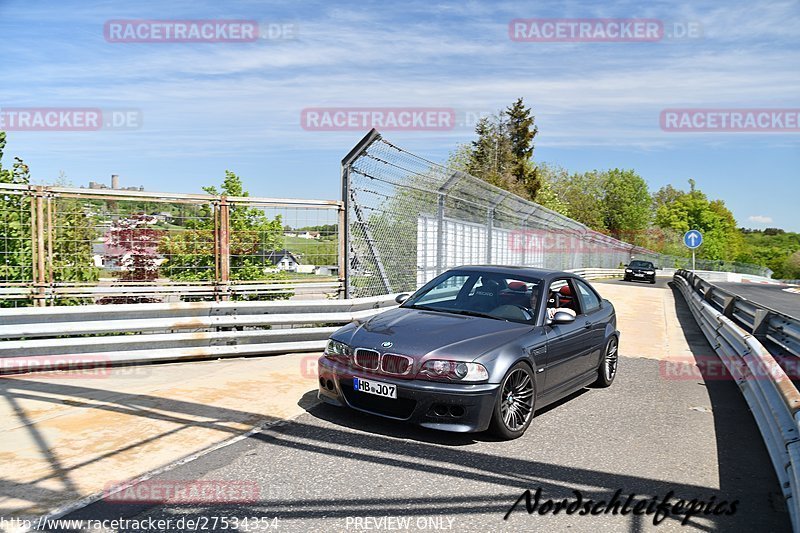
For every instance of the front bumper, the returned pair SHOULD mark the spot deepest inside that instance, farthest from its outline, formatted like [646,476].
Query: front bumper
[455,407]
[634,276]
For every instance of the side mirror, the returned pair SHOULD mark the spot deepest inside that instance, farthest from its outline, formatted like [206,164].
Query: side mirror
[402,297]
[562,317]
[625,265]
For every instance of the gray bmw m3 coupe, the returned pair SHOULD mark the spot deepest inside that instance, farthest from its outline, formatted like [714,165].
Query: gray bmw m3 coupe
[476,348]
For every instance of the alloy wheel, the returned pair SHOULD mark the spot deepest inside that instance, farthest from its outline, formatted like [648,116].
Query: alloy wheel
[516,402]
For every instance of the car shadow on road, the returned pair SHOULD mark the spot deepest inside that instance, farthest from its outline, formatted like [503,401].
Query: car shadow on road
[359,420]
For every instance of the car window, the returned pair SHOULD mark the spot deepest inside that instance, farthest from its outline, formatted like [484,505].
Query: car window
[445,292]
[641,264]
[589,299]
[561,296]
[482,293]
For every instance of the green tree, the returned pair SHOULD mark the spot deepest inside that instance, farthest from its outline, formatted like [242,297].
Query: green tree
[521,133]
[582,195]
[693,210]
[190,253]
[548,196]
[16,255]
[626,205]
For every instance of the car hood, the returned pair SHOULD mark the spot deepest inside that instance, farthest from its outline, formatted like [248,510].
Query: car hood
[428,334]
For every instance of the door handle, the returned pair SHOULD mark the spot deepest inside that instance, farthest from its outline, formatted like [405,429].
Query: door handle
[588,325]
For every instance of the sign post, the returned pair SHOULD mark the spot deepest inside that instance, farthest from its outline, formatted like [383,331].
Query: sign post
[692,239]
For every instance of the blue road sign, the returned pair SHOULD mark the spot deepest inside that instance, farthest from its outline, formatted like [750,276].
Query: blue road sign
[692,239]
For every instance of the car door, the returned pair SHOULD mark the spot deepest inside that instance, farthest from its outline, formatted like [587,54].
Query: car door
[594,318]
[567,344]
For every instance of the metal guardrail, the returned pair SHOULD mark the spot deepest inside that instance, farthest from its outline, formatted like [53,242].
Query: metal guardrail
[104,335]
[733,326]
[760,321]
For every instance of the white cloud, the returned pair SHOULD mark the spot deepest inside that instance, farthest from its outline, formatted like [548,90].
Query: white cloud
[760,219]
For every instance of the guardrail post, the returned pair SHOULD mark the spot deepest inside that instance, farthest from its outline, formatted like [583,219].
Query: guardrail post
[761,324]
[728,305]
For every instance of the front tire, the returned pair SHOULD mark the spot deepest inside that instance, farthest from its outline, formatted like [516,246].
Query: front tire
[515,403]
[608,365]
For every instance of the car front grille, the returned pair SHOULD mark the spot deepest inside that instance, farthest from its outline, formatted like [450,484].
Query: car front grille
[388,363]
[395,364]
[368,359]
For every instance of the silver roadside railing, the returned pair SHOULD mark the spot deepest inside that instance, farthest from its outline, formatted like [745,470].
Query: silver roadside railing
[736,328]
[68,337]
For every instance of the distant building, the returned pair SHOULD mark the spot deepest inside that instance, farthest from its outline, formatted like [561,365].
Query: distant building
[327,270]
[284,260]
[114,185]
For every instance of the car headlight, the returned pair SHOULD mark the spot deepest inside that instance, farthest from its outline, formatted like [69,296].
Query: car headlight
[649,272]
[628,270]
[439,369]
[337,350]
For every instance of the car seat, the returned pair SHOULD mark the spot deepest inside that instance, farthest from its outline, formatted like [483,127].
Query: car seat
[486,296]
[566,298]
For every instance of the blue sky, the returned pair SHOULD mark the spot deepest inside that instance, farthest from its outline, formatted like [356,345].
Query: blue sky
[211,107]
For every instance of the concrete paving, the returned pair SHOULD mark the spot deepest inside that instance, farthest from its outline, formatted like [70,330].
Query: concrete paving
[66,435]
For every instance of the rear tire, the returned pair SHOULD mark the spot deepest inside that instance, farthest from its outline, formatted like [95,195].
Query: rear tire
[515,403]
[607,370]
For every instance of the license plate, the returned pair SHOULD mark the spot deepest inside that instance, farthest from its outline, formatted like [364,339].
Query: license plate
[639,275]
[378,388]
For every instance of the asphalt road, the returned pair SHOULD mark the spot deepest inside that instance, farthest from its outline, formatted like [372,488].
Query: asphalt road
[769,295]
[330,469]
[661,282]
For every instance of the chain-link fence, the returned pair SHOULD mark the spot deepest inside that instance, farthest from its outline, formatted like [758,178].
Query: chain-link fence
[409,219]
[74,246]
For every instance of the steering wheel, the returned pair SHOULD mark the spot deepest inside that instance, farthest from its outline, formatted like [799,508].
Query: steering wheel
[526,313]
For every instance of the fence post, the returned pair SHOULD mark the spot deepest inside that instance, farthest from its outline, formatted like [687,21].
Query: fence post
[38,248]
[343,247]
[354,154]
[442,193]
[222,248]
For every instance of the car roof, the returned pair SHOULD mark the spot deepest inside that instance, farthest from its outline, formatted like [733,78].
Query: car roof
[509,270]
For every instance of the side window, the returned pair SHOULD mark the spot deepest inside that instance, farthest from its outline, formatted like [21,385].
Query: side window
[560,296]
[589,299]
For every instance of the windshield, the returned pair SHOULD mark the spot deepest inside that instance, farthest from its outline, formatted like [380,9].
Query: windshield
[491,295]
[641,264]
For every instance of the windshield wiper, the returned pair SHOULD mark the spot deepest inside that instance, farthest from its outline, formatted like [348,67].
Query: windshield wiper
[423,308]
[467,312]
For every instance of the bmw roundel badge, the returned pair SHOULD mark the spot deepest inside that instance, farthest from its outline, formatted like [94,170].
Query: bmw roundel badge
[387,344]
